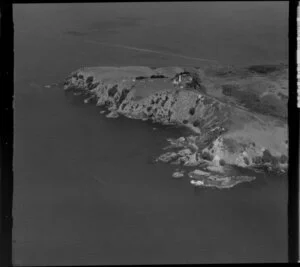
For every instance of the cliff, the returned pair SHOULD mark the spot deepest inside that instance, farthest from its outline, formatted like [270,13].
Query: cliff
[237,116]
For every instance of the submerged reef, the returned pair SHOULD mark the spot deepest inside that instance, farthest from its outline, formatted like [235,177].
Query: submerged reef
[234,116]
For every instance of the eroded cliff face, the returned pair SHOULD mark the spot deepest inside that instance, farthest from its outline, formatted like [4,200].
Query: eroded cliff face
[228,111]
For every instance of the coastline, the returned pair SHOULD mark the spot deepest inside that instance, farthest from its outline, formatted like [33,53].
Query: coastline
[228,110]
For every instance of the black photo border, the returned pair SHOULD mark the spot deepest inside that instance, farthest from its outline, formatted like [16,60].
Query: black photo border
[6,129]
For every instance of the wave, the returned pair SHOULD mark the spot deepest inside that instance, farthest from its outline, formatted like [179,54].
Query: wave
[150,51]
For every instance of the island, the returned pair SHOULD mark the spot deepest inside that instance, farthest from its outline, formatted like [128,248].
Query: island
[236,116]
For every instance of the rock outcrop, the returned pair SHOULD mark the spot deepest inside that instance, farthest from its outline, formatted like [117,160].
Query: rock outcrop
[236,116]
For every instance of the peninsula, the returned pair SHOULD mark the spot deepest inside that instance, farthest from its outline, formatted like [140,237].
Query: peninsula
[236,116]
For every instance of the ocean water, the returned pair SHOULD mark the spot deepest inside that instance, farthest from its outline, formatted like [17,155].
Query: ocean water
[85,190]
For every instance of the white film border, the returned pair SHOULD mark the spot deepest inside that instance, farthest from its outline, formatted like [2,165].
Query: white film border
[298,59]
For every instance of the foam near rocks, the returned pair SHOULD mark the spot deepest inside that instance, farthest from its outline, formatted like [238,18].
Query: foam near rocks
[221,182]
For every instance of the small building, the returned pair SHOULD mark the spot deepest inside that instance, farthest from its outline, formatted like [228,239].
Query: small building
[182,79]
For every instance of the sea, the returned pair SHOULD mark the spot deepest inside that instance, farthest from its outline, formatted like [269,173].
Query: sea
[86,190]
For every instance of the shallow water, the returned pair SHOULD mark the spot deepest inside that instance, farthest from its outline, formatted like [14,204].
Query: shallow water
[85,190]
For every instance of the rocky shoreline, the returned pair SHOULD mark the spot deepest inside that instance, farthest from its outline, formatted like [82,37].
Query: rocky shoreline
[230,112]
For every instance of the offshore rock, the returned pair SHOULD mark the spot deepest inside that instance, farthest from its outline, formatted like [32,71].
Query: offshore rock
[178,174]
[198,174]
[167,157]
[213,168]
[112,114]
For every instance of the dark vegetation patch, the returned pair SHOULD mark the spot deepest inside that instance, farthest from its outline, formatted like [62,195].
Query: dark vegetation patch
[123,95]
[164,101]
[207,156]
[185,121]
[263,69]
[108,103]
[157,76]
[257,160]
[225,71]
[91,86]
[196,83]
[66,81]
[112,91]
[267,157]
[141,78]
[268,105]
[246,160]
[274,106]
[80,76]
[149,109]
[222,162]
[192,111]
[202,89]
[215,104]
[283,97]
[229,89]
[173,102]
[210,146]
[89,79]
[207,101]
[157,100]
[208,137]
[266,108]
[231,145]
[182,73]
[196,123]
[283,159]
